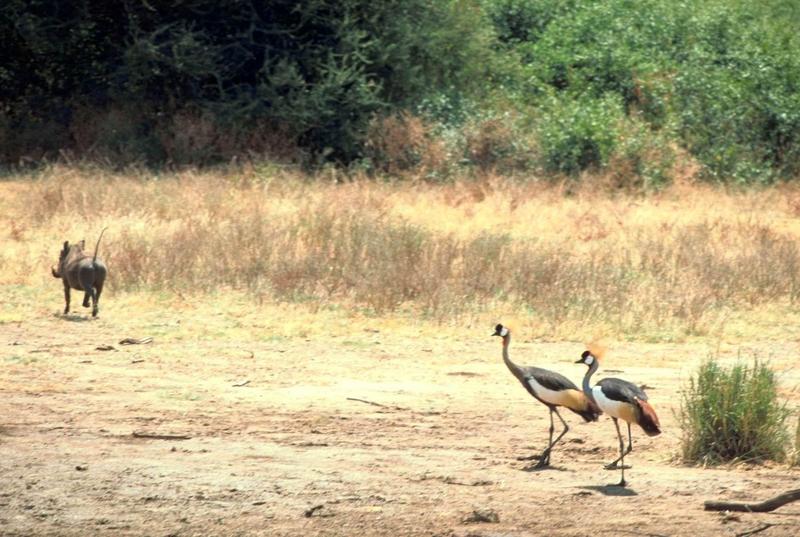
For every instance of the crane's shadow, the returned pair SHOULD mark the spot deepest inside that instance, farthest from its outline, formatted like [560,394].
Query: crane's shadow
[533,469]
[610,490]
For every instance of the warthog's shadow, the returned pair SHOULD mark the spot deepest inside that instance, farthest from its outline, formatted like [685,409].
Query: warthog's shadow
[75,318]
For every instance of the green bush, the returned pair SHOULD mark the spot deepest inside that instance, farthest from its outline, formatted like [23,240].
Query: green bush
[730,414]
[524,21]
[643,159]
[737,100]
[719,78]
[576,134]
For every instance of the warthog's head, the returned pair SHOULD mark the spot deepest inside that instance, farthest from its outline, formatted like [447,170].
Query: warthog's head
[68,253]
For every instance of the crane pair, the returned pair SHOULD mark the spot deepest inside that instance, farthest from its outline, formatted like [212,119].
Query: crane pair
[618,398]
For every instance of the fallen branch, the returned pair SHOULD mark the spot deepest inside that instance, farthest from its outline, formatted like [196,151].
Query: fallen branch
[161,436]
[763,507]
[240,384]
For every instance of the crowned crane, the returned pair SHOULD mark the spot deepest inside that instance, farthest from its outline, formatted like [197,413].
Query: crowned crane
[552,390]
[619,399]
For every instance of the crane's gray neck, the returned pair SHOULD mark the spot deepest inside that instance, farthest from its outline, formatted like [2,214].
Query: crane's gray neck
[514,368]
[587,388]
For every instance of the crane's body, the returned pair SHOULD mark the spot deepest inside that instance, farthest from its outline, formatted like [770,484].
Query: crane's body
[552,390]
[622,400]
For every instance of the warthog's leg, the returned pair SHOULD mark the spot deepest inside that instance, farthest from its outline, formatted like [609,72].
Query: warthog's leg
[87,282]
[96,298]
[66,297]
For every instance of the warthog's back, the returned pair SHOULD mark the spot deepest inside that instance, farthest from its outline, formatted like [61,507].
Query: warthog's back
[83,273]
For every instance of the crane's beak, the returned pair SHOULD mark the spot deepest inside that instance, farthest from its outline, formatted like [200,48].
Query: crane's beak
[579,361]
[495,334]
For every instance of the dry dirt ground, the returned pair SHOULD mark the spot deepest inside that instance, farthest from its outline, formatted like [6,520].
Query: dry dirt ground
[366,433]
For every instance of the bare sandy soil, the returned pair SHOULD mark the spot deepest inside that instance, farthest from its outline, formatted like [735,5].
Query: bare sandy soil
[284,440]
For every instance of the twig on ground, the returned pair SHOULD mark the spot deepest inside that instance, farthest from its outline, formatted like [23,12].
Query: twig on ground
[763,507]
[754,530]
[450,480]
[376,404]
[134,341]
[631,532]
[153,436]
[240,384]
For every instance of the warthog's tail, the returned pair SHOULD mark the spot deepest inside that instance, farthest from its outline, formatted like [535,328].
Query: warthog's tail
[96,246]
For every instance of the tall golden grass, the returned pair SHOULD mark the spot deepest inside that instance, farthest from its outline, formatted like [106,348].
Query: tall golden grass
[682,261]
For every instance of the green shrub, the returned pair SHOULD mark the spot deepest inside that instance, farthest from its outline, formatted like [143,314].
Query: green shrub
[720,77]
[521,21]
[737,100]
[576,134]
[643,159]
[730,414]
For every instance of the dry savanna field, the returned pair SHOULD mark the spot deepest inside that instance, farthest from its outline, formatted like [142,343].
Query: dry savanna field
[321,360]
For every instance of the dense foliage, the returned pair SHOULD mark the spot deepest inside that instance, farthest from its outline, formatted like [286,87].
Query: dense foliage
[316,70]
[635,88]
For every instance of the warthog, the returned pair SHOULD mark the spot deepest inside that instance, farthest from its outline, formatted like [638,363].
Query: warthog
[81,272]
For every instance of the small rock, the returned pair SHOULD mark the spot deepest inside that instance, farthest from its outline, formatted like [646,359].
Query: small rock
[317,510]
[482,515]
[81,467]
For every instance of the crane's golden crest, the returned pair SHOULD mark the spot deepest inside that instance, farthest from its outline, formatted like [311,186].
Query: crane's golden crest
[597,349]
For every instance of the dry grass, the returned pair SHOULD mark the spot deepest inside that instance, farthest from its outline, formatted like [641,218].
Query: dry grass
[686,261]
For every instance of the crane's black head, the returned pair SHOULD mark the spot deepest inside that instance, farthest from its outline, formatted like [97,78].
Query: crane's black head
[587,358]
[500,330]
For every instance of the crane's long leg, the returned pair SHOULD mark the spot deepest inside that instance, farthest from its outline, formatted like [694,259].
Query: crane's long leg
[544,458]
[560,436]
[613,464]
[621,454]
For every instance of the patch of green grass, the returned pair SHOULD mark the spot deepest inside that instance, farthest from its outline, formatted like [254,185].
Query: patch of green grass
[733,414]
